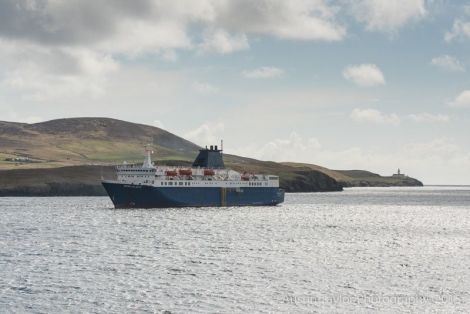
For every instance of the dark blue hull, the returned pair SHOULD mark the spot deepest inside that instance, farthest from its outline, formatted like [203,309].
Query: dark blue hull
[143,196]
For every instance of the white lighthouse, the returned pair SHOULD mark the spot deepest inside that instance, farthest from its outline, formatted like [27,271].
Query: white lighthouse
[399,174]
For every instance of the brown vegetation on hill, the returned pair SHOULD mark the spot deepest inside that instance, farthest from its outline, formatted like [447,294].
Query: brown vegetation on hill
[68,157]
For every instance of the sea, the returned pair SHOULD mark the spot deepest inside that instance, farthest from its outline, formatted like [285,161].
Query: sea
[364,250]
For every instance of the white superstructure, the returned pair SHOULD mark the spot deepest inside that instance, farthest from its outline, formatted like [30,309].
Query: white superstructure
[178,176]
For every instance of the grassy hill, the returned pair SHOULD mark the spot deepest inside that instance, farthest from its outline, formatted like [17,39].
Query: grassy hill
[79,141]
[69,156]
[352,178]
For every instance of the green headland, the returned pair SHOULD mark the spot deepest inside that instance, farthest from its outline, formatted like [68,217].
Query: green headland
[70,156]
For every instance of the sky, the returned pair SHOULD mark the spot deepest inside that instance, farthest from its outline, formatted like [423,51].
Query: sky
[365,84]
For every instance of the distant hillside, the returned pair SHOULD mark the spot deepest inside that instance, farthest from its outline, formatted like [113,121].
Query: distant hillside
[61,181]
[356,178]
[69,156]
[86,180]
[79,141]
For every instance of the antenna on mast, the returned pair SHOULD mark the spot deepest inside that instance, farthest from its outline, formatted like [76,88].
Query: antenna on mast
[221,145]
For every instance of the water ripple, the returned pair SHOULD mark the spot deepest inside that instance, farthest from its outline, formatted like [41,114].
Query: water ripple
[363,250]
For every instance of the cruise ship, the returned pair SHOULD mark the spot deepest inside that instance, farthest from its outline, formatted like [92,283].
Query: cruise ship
[207,183]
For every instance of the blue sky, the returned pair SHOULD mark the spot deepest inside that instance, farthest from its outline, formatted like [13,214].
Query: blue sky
[369,84]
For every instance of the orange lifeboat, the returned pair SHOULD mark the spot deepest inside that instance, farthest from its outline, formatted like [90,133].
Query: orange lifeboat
[209,172]
[185,172]
[171,173]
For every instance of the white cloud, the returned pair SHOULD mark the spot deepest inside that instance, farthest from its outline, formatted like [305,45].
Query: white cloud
[112,99]
[294,19]
[448,63]
[31,119]
[374,116]
[466,9]
[293,148]
[43,73]
[9,114]
[387,15]
[70,48]
[158,124]
[206,134]
[263,72]
[462,100]
[169,55]
[204,88]
[460,30]
[137,37]
[64,61]
[364,75]
[221,41]
[40,87]
[428,118]
[149,26]
[449,161]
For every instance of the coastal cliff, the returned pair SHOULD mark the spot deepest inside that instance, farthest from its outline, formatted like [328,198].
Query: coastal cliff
[86,181]
[362,178]
[70,156]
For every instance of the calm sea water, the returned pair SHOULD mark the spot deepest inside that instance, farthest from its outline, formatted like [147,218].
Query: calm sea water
[362,250]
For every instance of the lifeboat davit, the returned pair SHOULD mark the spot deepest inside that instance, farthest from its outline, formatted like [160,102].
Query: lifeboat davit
[209,172]
[185,172]
[171,173]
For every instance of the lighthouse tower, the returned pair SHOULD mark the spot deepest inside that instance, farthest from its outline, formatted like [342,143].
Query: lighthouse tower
[399,174]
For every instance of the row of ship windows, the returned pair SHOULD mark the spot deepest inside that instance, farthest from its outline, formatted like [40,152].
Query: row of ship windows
[175,183]
[137,176]
[206,183]
[140,171]
[135,170]
[171,183]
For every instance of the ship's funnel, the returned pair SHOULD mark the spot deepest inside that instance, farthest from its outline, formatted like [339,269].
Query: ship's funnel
[209,158]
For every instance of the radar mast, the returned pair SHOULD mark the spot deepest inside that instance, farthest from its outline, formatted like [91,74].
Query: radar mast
[148,160]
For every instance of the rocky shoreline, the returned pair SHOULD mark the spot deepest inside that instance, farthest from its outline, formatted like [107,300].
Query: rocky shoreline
[69,157]
[86,181]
